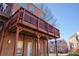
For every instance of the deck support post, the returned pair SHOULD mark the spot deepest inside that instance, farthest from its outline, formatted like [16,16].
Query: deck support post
[16,40]
[56,50]
[38,46]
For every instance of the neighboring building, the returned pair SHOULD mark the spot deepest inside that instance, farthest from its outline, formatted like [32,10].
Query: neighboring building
[62,46]
[74,42]
[51,47]
[23,32]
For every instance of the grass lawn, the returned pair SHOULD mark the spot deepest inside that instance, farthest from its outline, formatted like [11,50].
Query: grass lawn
[74,54]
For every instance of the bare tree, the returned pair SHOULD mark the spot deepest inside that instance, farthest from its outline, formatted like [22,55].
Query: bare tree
[48,16]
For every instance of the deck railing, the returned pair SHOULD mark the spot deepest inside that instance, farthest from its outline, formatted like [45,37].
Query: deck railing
[38,23]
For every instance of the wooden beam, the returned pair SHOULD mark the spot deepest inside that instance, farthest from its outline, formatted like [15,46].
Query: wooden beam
[2,40]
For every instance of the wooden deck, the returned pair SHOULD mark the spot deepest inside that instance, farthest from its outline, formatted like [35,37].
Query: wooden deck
[27,19]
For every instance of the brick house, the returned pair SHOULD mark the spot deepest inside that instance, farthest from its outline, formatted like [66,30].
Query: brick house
[62,46]
[74,43]
[23,32]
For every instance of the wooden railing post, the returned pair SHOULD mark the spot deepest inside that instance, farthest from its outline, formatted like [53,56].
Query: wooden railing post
[37,24]
[22,14]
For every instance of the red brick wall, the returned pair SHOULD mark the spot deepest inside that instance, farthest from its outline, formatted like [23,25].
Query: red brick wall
[37,12]
[15,7]
[43,47]
[7,48]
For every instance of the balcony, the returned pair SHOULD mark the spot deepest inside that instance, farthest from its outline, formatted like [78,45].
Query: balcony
[5,10]
[25,18]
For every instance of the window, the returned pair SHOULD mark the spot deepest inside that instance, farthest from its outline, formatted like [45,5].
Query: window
[77,37]
[71,46]
[8,10]
[5,9]
[39,5]
[77,44]
[24,5]
[32,10]
[1,6]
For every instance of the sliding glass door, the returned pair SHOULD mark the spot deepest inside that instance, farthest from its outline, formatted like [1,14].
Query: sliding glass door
[19,48]
[29,49]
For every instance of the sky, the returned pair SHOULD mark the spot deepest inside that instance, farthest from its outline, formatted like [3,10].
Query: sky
[67,18]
